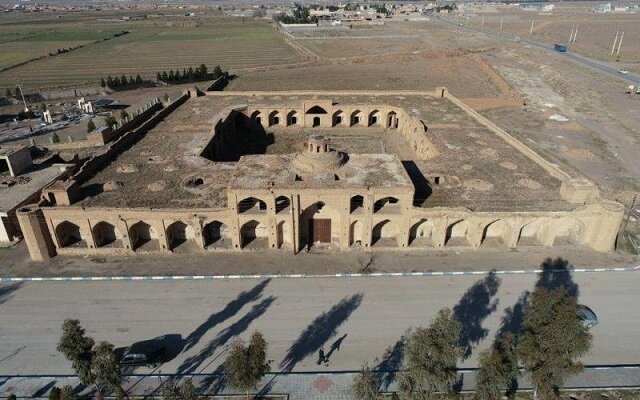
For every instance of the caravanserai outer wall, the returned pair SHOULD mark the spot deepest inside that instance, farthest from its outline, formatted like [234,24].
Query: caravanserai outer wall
[280,217]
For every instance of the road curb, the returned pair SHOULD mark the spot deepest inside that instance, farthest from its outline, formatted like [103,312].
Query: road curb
[300,276]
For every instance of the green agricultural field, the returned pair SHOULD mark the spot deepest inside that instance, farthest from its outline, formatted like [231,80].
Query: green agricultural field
[15,52]
[153,44]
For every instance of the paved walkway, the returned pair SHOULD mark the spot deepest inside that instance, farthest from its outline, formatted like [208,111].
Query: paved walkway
[302,386]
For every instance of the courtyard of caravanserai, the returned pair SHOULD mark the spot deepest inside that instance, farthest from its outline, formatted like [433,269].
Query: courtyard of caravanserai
[296,171]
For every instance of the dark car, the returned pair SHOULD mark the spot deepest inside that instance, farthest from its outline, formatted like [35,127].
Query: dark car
[148,352]
[587,316]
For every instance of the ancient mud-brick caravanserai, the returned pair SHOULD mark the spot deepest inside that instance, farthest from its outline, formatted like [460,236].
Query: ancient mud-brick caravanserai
[293,171]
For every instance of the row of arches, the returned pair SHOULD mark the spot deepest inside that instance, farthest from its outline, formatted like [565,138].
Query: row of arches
[338,118]
[255,205]
[386,234]
[494,234]
[282,203]
[143,236]
[254,234]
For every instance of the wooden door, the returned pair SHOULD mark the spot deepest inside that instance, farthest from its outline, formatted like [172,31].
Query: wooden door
[320,230]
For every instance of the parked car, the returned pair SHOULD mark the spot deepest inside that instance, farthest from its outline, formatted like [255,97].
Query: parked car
[623,71]
[587,316]
[149,352]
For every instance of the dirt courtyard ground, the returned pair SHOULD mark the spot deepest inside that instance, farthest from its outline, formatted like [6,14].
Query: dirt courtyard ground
[16,262]
[370,140]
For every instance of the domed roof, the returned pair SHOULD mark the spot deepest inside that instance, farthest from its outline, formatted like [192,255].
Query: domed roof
[318,156]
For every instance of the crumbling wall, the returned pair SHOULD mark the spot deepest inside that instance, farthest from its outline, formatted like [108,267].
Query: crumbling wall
[125,141]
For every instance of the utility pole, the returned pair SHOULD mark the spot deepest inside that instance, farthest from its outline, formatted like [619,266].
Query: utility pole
[26,109]
[571,34]
[531,30]
[482,23]
[614,43]
[620,44]
[501,22]
[575,34]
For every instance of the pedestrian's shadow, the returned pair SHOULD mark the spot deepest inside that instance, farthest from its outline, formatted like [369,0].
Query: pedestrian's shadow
[473,308]
[319,331]
[335,346]
[315,335]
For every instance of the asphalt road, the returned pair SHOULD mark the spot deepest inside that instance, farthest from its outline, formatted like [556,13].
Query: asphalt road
[297,317]
[601,67]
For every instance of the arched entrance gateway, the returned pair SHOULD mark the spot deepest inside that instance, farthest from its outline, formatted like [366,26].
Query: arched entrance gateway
[319,224]
[317,114]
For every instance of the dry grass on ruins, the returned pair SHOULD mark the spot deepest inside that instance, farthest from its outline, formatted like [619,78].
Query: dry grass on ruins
[476,169]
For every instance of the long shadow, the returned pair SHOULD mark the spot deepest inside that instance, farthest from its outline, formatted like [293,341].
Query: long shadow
[315,335]
[215,382]
[41,392]
[557,274]
[319,331]
[473,308]
[6,291]
[391,363]
[192,364]
[229,311]
[511,321]
[422,186]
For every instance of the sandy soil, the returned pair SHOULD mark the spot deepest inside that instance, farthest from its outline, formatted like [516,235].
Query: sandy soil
[15,262]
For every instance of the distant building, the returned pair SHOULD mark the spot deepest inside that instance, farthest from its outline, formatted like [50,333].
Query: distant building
[603,8]
[531,6]
[21,182]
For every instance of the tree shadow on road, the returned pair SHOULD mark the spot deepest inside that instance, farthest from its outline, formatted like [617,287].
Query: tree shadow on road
[229,311]
[473,308]
[557,274]
[6,291]
[319,331]
[214,382]
[511,321]
[192,364]
[391,362]
[510,329]
[316,334]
